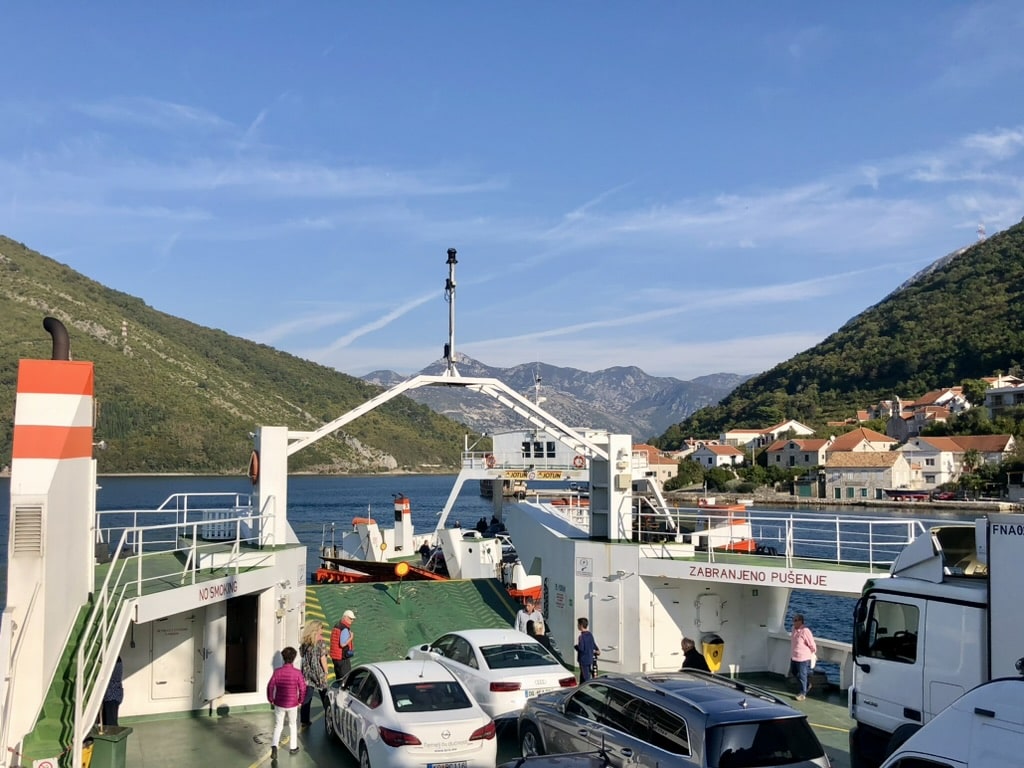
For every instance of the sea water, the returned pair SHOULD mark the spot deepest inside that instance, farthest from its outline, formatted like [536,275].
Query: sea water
[316,503]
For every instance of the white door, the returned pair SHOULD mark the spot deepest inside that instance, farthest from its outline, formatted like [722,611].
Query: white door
[213,656]
[173,651]
[666,608]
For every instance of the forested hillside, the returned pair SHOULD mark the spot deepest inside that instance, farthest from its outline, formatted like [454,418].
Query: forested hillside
[175,396]
[960,319]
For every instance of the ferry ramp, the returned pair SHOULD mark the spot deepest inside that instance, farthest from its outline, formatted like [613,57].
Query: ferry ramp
[393,616]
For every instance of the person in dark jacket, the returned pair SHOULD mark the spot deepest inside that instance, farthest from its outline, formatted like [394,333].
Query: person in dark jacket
[692,658]
[586,650]
[114,695]
[285,692]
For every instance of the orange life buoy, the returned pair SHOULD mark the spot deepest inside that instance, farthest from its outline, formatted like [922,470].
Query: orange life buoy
[578,462]
[490,461]
[254,467]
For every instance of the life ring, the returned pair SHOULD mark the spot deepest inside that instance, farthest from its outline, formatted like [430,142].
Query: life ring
[254,467]
[490,461]
[579,462]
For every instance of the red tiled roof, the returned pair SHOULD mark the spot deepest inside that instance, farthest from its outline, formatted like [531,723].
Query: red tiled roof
[858,436]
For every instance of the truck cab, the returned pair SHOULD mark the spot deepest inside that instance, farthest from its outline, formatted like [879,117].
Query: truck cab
[982,729]
[945,621]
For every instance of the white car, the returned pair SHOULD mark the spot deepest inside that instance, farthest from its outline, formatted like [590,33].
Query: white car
[409,714]
[502,668]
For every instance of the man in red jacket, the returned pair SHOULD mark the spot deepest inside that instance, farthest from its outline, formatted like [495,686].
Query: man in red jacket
[342,645]
[285,692]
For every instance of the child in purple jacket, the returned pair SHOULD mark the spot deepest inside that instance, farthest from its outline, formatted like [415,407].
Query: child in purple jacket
[285,692]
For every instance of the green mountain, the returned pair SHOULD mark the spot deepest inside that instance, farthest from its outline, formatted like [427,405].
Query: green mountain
[173,396]
[958,319]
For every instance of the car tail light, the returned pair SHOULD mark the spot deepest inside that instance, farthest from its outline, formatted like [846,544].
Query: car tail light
[567,682]
[504,687]
[485,733]
[397,738]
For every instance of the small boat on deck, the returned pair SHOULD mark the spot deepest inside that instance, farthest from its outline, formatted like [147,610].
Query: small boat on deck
[708,502]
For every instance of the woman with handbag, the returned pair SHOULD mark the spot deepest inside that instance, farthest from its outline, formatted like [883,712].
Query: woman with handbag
[313,652]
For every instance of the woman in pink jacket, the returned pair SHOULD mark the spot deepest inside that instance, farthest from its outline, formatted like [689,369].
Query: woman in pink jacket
[802,648]
[285,692]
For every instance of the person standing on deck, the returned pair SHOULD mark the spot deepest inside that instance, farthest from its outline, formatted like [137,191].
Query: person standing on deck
[586,650]
[692,658]
[343,645]
[314,668]
[285,692]
[802,648]
[527,614]
[114,695]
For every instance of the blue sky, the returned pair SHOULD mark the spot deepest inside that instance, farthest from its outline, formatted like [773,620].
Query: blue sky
[684,187]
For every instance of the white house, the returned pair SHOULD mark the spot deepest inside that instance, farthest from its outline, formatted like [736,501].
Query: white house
[758,438]
[796,453]
[941,459]
[718,456]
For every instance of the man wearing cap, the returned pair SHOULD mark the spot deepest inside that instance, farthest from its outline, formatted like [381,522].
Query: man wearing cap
[342,646]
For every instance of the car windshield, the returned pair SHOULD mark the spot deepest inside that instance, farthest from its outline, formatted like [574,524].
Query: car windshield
[762,743]
[432,696]
[512,655]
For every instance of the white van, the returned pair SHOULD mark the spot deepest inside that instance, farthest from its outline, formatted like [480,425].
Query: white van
[984,728]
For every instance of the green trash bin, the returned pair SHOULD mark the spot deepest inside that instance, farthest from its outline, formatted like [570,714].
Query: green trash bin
[109,746]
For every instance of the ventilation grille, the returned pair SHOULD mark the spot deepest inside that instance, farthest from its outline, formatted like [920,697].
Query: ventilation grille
[27,535]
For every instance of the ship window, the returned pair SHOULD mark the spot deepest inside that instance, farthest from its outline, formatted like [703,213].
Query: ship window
[892,630]
[526,449]
[551,449]
[538,450]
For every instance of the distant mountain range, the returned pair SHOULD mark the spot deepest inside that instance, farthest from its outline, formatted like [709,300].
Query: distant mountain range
[621,399]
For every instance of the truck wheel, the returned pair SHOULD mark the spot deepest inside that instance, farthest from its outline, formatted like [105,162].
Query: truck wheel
[899,737]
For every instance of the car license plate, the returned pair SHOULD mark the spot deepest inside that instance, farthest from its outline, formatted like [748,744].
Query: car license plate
[530,693]
[457,764]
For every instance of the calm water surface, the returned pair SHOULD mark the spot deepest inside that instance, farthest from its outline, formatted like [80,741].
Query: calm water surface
[315,503]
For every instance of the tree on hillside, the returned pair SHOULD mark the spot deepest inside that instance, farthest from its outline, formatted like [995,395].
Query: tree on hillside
[974,390]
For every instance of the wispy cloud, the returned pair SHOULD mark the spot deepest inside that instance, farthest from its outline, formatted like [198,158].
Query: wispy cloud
[166,115]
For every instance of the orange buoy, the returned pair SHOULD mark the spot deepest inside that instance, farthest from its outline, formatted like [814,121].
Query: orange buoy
[254,467]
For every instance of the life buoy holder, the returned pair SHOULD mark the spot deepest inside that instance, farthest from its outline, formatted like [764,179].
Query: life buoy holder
[579,462]
[490,461]
[254,467]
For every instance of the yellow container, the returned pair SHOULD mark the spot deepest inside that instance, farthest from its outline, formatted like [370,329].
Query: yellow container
[87,753]
[714,651]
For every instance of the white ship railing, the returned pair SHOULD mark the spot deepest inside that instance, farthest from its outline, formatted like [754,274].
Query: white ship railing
[186,526]
[842,540]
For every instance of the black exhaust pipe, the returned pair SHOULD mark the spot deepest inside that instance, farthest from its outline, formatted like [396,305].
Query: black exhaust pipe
[61,342]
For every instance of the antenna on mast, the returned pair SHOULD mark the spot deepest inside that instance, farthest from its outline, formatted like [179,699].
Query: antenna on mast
[449,296]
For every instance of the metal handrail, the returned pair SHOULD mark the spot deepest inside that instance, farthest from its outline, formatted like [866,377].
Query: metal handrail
[12,663]
[111,612]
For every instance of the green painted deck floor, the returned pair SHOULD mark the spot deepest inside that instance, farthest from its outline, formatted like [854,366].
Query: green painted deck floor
[389,620]
[242,740]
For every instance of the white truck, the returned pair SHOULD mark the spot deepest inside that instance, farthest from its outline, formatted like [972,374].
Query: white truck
[947,619]
[982,729]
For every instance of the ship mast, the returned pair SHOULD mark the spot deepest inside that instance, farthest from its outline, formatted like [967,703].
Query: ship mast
[449,296]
